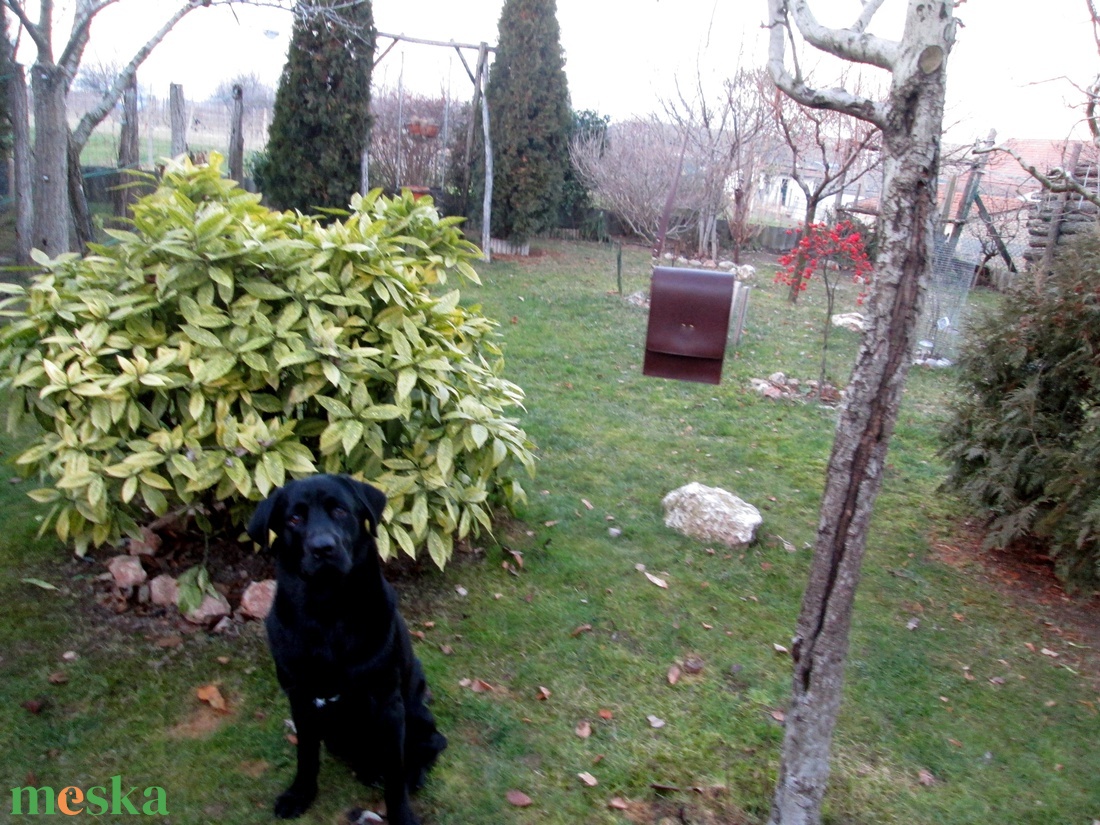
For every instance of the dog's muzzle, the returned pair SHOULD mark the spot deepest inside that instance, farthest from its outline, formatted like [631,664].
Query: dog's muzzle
[326,551]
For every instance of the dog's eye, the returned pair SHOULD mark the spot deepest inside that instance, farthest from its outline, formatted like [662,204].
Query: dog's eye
[293,520]
[339,512]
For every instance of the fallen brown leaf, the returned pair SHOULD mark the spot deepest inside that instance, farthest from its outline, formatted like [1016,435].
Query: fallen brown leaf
[655,579]
[926,778]
[58,677]
[587,504]
[518,798]
[618,804]
[588,779]
[655,721]
[583,729]
[35,706]
[693,665]
[543,694]
[673,674]
[579,629]
[213,697]
[606,715]
[779,716]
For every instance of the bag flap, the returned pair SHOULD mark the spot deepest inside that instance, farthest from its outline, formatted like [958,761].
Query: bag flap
[689,312]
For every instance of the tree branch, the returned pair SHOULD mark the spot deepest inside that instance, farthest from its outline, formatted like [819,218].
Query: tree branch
[78,39]
[1057,180]
[97,113]
[794,85]
[854,43]
[32,28]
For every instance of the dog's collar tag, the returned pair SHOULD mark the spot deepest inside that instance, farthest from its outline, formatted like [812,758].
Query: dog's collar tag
[321,701]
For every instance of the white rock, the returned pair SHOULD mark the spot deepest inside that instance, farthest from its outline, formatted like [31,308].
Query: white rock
[212,607]
[257,599]
[726,265]
[147,545]
[127,571]
[746,272]
[164,591]
[711,514]
[778,378]
[850,320]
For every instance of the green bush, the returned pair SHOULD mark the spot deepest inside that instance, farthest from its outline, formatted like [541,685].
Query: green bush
[220,347]
[1024,442]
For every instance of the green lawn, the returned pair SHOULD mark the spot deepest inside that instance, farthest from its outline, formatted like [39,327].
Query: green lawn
[581,621]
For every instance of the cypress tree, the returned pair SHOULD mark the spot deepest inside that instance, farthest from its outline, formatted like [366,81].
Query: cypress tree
[529,119]
[321,120]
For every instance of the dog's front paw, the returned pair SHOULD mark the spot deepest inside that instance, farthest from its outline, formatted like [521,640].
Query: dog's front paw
[293,802]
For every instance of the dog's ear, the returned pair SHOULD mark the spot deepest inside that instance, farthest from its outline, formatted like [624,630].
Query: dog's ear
[268,516]
[370,498]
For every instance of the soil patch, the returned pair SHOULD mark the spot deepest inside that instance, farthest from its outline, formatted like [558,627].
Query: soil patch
[1024,574]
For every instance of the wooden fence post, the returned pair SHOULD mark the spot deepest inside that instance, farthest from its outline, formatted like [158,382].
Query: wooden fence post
[178,108]
[125,194]
[236,135]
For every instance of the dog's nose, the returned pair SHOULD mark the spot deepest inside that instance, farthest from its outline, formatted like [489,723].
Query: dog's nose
[322,547]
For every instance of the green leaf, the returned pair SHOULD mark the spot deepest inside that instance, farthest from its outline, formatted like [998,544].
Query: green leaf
[45,585]
[264,290]
[406,380]
[154,499]
[44,495]
[444,457]
[201,336]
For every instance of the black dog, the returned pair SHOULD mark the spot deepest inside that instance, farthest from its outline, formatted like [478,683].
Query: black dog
[342,651]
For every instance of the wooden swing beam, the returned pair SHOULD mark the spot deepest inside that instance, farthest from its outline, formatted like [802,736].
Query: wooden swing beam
[479,78]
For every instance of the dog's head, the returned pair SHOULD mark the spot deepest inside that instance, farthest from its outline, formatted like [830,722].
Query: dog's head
[320,524]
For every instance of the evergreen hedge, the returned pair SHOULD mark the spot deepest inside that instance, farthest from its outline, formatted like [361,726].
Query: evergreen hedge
[1024,439]
[530,120]
[321,120]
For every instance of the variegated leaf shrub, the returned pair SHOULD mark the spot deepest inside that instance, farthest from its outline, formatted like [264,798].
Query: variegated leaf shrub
[220,348]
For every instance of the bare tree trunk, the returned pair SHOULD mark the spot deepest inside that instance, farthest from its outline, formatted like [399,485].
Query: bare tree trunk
[236,135]
[911,120]
[51,136]
[800,258]
[23,160]
[78,201]
[127,150]
[178,114]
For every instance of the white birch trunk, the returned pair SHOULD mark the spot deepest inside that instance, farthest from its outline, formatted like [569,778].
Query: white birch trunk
[911,120]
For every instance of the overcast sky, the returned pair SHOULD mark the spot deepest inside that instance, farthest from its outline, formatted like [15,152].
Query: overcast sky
[1010,69]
